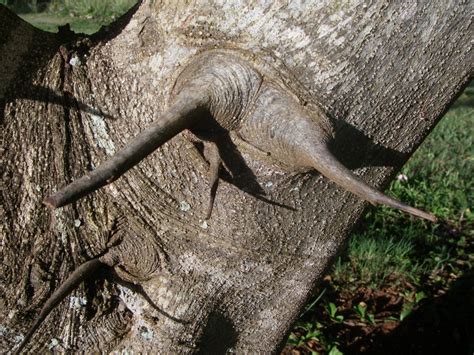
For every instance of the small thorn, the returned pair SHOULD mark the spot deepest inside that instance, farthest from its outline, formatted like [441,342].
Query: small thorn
[212,154]
[330,167]
[85,270]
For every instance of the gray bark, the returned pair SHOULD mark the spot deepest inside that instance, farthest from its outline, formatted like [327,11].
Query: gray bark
[383,73]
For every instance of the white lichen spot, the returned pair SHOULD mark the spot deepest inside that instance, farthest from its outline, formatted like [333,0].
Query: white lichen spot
[204,225]
[75,61]
[77,302]
[146,333]
[12,314]
[18,338]
[3,330]
[53,343]
[132,301]
[339,41]
[64,237]
[101,135]
[268,184]
[60,226]
[38,188]
[324,30]
[295,189]
[184,206]
[298,37]
[156,63]
[77,223]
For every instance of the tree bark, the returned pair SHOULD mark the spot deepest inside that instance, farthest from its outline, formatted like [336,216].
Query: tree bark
[177,282]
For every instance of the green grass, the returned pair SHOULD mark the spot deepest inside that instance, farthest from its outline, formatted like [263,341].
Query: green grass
[84,16]
[440,179]
[50,22]
[372,261]
[103,10]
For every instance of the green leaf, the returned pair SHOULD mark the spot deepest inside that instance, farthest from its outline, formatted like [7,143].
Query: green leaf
[335,351]
[360,309]
[419,296]
[313,334]
[405,313]
[332,309]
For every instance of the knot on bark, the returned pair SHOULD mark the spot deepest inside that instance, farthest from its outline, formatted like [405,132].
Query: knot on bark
[230,84]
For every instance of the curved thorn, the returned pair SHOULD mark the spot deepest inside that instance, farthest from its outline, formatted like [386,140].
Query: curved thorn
[84,271]
[300,139]
[177,118]
[328,165]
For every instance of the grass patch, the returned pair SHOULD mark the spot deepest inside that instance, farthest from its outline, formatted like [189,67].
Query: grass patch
[439,177]
[373,261]
[99,10]
[84,16]
[50,22]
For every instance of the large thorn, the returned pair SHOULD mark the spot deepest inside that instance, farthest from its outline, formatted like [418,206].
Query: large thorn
[299,138]
[80,274]
[328,165]
[180,116]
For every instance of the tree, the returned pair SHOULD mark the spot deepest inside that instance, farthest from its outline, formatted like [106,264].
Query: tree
[265,89]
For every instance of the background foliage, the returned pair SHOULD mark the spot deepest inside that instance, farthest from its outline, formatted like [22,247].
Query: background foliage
[84,16]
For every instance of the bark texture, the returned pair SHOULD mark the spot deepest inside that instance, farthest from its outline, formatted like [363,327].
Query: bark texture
[177,282]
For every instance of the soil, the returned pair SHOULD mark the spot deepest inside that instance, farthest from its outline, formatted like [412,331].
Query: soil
[440,323]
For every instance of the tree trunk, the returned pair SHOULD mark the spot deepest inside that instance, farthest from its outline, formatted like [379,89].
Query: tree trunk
[384,73]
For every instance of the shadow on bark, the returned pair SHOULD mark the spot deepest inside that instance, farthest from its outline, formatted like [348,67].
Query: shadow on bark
[219,335]
[45,95]
[356,150]
[239,174]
